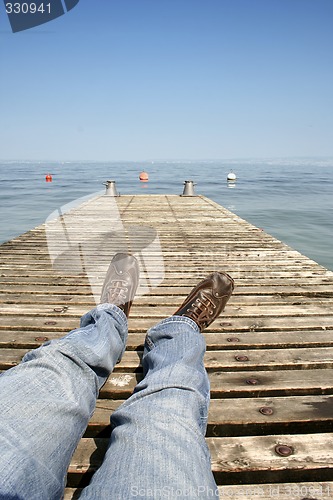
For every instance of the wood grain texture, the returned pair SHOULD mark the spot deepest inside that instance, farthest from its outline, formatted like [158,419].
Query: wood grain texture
[280,317]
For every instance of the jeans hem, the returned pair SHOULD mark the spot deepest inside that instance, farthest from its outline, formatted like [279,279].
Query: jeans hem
[106,306]
[180,319]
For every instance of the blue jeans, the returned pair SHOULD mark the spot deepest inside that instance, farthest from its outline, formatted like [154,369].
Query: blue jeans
[157,447]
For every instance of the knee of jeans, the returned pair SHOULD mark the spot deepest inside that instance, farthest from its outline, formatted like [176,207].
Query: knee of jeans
[173,327]
[184,348]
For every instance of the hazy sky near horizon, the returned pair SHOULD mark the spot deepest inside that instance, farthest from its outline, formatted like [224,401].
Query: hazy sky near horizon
[162,79]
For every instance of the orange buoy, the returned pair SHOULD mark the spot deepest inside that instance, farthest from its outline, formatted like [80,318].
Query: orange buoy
[48,178]
[144,177]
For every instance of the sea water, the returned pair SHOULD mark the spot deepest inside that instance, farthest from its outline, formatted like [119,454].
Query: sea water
[288,198]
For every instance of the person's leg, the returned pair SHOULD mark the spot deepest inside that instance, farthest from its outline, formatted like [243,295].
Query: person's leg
[47,400]
[157,447]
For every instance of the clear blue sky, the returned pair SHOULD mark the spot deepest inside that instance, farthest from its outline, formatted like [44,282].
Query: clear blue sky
[162,79]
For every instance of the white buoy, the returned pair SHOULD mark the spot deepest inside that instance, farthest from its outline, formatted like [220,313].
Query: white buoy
[231,176]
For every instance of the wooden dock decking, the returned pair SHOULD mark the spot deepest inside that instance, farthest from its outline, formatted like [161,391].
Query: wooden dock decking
[269,356]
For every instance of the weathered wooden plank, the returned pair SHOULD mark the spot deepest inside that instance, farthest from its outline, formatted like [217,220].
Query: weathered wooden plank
[264,278]
[166,300]
[243,239]
[240,384]
[236,459]
[10,357]
[241,311]
[242,269]
[237,360]
[263,415]
[239,458]
[120,385]
[259,255]
[197,229]
[58,322]
[214,341]
[173,255]
[270,415]
[76,292]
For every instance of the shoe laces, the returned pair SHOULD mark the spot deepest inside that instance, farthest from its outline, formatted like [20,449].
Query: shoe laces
[201,307]
[117,292]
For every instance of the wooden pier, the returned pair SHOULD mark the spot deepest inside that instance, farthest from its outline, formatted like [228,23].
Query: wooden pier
[269,356]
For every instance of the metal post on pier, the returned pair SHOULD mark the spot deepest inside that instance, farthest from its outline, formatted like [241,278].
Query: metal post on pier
[189,188]
[110,188]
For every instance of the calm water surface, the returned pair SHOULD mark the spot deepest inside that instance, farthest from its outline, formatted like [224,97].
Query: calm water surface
[290,199]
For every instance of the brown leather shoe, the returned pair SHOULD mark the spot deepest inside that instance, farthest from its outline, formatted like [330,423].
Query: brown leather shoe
[207,300]
[121,282]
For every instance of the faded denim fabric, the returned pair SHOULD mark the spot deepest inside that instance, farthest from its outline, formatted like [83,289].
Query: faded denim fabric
[157,448]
